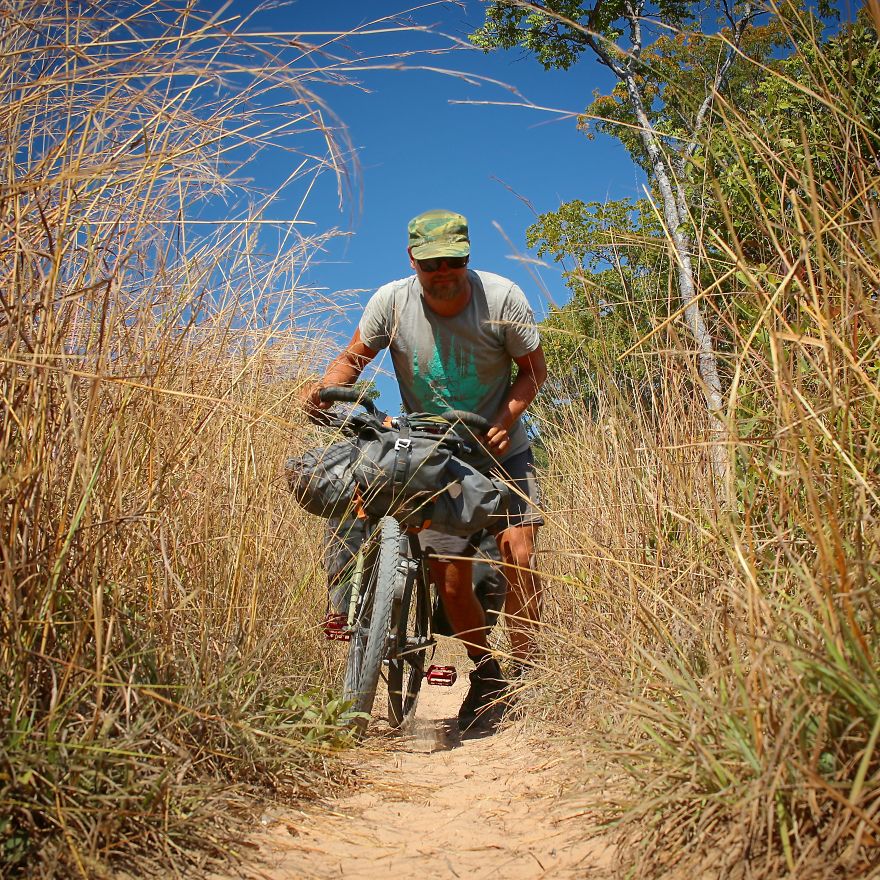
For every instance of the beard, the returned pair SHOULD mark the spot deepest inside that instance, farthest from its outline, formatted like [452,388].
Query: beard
[447,289]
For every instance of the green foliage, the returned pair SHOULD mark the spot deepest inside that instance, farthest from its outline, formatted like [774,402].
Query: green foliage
[618,252]
[558,31]
[367,389]
[15,841]
[674,77]
[673,74]
[555,44]
[667,86]
[782,120]
[312,716]
[770,107]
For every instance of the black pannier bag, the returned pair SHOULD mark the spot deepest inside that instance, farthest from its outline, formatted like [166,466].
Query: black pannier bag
[322,480]
[471,501]
[409,475]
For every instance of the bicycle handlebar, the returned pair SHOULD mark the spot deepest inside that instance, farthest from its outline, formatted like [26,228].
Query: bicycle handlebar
[344,394]
[471,420]
[475,424]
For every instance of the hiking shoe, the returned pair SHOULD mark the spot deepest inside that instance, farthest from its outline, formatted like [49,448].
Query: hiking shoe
[484,705]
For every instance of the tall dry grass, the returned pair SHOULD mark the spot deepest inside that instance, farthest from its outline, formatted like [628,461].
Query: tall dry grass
[723,639]
[157,648]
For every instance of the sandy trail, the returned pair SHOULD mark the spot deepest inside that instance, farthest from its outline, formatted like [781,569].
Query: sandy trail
[437,805]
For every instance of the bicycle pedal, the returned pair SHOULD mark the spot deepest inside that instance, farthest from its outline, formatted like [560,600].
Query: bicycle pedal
[441,676]
[336,628]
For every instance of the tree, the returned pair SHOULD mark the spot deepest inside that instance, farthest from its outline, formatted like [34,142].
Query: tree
[659,109]
[617,249]
[783,113]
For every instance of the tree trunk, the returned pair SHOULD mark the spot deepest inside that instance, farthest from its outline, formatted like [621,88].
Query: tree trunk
[707,362]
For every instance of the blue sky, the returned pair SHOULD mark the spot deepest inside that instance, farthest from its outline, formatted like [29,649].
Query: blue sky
[418,149]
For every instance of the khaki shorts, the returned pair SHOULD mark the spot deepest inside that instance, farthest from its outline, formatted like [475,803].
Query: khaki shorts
[518,472]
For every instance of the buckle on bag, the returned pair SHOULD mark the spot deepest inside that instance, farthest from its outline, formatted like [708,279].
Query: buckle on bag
[402,443]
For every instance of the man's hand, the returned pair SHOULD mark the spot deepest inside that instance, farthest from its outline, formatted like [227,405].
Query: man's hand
[497,439]
[309,397]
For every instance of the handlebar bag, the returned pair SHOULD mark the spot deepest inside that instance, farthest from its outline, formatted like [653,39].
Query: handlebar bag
[322,480]
[470,501]
[418,480]
[399,464]
[398,472]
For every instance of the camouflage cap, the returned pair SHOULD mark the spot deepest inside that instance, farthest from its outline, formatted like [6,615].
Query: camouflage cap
[438,234]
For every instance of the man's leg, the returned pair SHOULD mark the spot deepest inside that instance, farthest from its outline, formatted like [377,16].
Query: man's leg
[483,706]
[454,580]
[524,590]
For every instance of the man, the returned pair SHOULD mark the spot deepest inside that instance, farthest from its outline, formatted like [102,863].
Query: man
[466,340]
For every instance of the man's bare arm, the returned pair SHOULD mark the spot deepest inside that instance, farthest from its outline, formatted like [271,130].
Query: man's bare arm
[344,369]
[531,375]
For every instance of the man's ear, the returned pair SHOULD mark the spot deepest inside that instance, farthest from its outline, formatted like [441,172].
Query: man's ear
[412,261]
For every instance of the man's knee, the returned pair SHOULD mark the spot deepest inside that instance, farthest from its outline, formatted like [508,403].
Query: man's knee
[517,546]
[453,579]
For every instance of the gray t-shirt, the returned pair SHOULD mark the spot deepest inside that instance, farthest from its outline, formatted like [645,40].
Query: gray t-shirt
[463,362]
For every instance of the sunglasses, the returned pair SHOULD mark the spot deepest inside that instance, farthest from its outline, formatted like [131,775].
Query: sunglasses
[433,264]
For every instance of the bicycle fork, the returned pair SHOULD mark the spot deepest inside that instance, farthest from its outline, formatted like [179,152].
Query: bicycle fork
[338,627]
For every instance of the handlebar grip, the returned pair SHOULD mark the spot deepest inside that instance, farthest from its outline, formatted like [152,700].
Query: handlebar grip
[475,422]
[339,394]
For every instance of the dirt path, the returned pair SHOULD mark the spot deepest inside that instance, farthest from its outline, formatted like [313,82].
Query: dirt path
[435,805]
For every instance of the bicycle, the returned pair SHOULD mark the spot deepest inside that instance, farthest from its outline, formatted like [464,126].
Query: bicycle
[391,599]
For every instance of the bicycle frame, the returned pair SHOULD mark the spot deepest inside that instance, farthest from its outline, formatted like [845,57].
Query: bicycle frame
[419,570]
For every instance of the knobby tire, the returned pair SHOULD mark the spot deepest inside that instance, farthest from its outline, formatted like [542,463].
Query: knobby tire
[372,625]
[406,665]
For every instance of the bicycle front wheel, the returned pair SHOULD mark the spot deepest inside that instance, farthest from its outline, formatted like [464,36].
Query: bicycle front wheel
[370,630]
[411,640]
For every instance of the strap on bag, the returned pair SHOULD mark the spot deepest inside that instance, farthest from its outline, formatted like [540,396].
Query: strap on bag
[402,458]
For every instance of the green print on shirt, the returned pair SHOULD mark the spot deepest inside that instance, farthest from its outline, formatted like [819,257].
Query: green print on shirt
[450,385]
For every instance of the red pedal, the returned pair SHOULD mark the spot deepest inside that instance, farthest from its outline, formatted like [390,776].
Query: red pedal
[442,676]
[335,628]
